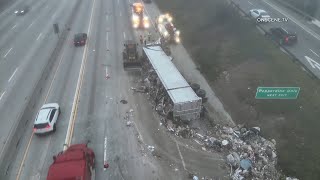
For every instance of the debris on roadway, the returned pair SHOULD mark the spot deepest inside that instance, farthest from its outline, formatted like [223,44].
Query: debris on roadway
[151,148]
[129,123]
[247,153]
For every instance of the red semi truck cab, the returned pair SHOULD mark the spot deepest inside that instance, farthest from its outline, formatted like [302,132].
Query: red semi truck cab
[76,163]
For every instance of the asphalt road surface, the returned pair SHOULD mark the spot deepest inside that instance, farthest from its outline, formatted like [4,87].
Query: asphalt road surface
[26,45]
[89,81]
[307,49]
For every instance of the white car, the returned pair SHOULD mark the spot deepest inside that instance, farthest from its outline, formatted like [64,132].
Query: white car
[258,14]
[46,119]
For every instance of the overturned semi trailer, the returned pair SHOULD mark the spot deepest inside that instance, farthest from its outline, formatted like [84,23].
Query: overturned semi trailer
[186,104]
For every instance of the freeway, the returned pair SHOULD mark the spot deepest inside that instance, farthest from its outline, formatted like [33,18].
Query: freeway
[308,34]
[25,51]
[90,81]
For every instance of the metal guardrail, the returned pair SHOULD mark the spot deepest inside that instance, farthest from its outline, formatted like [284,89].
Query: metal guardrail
[292,56]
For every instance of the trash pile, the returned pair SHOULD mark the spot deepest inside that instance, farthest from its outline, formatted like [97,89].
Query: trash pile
[156,92]
[249,155]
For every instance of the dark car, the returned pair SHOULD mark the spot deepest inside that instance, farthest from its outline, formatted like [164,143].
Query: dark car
[147,1]
[80,39]
[283,36]
[21,10]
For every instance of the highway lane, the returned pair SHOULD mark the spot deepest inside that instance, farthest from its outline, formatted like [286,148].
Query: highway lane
[10,22]
[16,44]
[100,113]
[308,40]
[62,90]
[107,107]
[191,159]
[22,69]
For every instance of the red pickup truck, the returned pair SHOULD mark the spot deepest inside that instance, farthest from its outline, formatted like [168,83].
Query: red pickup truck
[76,163]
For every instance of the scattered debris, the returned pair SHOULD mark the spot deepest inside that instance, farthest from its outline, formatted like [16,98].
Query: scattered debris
[233,159]
[249,155]
[129,123]
[151,148]
[124,101]
[245,164]
[291,178]
[131,110]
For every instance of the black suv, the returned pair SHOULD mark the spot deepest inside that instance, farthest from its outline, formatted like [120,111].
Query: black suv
[80,39]
[283,37]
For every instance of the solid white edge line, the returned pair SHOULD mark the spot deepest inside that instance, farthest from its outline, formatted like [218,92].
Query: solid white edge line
[180,154]
[13,74]
[14,26]
[250,3]
[124,35]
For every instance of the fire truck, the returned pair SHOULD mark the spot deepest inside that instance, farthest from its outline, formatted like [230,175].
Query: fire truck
[139,19]
[166,29]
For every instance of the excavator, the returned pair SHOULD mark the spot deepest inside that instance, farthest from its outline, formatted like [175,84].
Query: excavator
[167,30]
[139,19]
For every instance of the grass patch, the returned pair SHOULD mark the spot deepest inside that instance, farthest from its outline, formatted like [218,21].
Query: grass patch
[219,41]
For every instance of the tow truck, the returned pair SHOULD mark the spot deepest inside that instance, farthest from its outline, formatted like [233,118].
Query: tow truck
[166,29]
[139,19]
[77,162]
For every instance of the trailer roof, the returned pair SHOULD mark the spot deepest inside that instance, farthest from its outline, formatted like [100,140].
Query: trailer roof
[177,87]
[183,95]
[166,70]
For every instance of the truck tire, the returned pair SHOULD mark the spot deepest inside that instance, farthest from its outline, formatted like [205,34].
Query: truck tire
[201,93]
[195,86]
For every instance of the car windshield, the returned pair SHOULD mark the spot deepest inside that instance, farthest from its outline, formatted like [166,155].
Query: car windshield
[263,14]
[41,125]
[78,37]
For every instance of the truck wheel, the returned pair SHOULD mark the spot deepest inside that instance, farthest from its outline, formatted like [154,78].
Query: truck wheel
[195,86]
[201,93]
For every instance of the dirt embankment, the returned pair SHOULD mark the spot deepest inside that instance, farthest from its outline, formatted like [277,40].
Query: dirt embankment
[235,58]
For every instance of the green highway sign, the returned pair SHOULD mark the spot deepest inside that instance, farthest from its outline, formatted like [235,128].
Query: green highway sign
[277,92]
